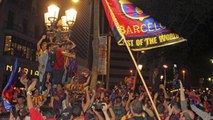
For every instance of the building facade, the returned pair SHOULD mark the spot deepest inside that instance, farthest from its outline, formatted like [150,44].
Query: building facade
[22,25]
[20,29]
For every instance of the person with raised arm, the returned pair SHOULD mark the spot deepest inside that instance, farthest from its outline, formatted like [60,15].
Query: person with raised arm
[145,108]
[164,91]
[130,98]
[185,114]
[42,58]
[183,101]
[136,112]
[118,108]
[41,45]
[75,85]
[46,113]
[86,105]
[105,108]
[60,56]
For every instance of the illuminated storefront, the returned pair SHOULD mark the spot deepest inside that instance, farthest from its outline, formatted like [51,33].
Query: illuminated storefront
[28,71]
[24,50]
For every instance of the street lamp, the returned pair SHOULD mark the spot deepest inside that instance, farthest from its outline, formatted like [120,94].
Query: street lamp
[211,60]
[53,12]
[165,67]
[64,25]
[210,80]
[131,71]
[161,78]
[184,72]
[140,67]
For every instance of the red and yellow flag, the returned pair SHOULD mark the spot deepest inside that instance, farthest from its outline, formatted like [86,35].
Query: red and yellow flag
[140,30]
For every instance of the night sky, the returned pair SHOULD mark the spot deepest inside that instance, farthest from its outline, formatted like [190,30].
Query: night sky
[193,20]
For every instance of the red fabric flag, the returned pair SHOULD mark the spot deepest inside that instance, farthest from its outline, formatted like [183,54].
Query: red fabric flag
[140,30]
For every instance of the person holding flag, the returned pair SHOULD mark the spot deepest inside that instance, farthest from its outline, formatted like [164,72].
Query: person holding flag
[137,31]
[7,92]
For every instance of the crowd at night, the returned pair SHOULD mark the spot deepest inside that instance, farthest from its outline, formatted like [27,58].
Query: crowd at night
[67,72]
[62,92]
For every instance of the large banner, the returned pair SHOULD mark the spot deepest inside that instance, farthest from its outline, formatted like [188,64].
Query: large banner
[102,56]
[141,31]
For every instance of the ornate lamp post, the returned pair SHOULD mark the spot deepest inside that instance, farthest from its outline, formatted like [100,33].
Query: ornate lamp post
[55,26]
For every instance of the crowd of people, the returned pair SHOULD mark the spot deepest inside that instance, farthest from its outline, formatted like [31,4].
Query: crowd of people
[62,93]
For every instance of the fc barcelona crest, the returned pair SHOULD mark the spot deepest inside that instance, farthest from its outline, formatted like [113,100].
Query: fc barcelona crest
[132,11]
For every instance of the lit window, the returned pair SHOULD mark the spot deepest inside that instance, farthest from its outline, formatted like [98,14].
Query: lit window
[7,46]
[19,48]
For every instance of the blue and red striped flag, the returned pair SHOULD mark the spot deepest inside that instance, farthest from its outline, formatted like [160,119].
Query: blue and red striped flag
[140,30]
[7,92]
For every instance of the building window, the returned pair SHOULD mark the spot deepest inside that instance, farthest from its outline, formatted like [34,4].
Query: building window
[7,45]
[26,4]
[25,26]
[36,31]
[14,1]
[19,48]
[10,20]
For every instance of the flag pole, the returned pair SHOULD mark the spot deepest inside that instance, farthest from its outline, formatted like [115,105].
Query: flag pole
[144,83]
[133,59]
